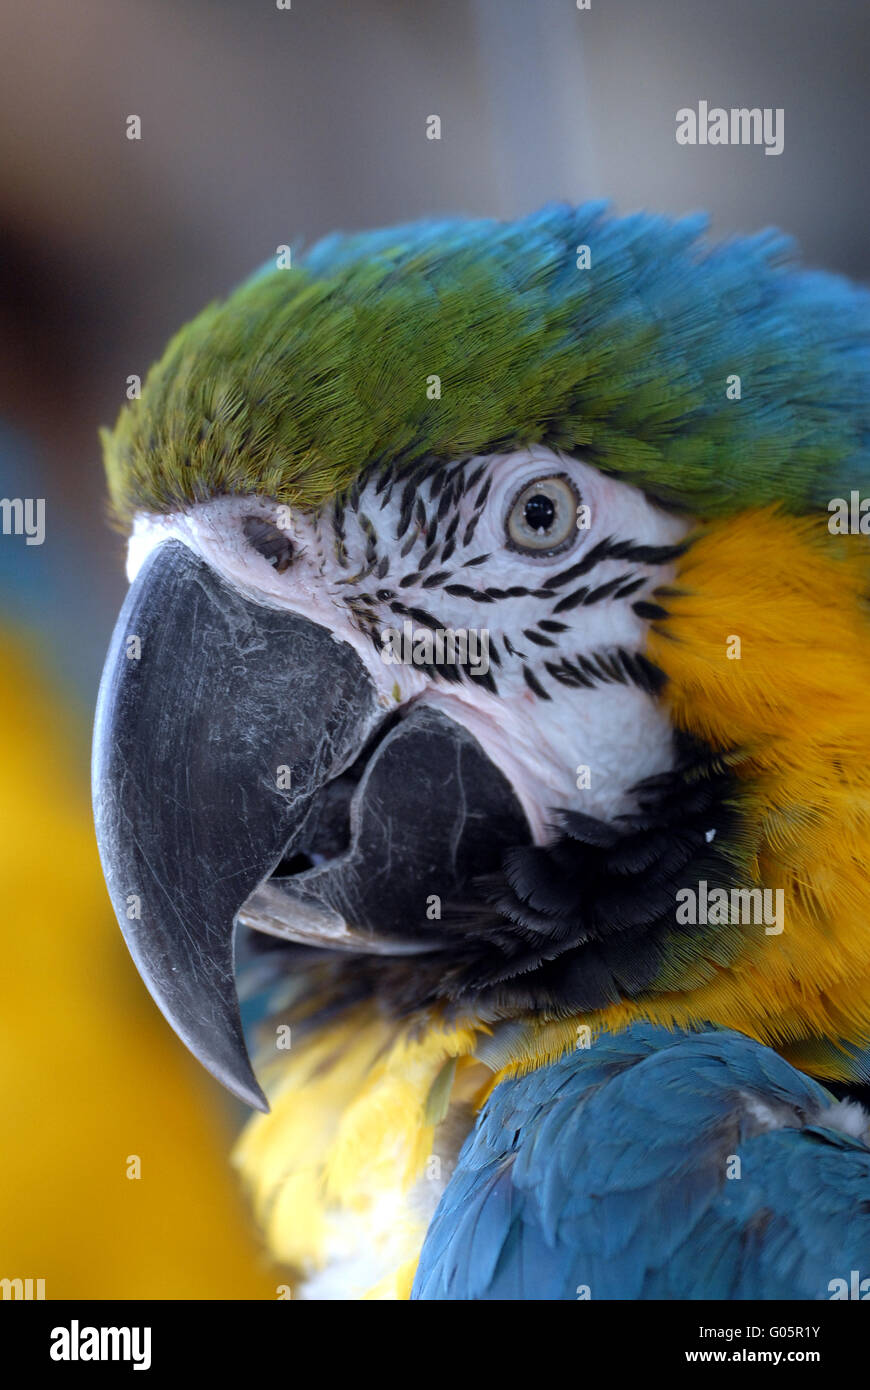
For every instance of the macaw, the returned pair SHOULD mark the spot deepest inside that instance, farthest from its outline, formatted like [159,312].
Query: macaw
[492,658]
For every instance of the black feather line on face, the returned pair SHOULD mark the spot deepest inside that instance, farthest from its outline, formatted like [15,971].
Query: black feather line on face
[406,508]
[338,535]
[472,479]
[417,615]
[652,611]
[534,684]
[571,600]
[605,590]
[449,547]
[427,557]
[610,549]
[446,503]
[538,638]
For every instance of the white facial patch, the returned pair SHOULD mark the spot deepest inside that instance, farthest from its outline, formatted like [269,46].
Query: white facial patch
[563,707]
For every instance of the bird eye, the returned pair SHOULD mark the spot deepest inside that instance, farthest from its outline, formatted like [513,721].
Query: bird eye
[269,541]
[543,516]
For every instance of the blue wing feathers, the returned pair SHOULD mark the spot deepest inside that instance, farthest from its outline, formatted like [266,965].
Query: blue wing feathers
[653,1165]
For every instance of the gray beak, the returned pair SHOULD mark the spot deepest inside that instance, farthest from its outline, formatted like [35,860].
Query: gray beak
[194,740]
[225,740]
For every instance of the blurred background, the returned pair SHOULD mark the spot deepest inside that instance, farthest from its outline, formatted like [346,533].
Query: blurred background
[262,126]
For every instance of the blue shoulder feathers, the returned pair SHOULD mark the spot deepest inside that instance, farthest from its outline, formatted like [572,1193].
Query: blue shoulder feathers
[656,1165]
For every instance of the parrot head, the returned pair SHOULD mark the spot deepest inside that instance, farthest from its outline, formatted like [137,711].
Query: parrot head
[483,599]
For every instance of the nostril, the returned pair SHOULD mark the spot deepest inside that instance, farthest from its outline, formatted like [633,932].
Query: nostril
[325,834]
[326,831]
[269,541]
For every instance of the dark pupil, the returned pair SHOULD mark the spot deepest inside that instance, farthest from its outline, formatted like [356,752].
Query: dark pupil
[539,512]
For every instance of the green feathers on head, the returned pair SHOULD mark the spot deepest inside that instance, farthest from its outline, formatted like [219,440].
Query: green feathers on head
[304,378]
